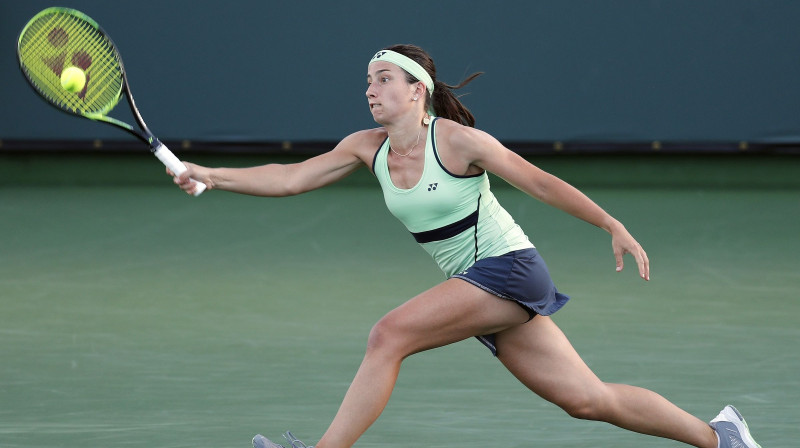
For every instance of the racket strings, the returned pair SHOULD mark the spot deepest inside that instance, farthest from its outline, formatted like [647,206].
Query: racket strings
[51,43]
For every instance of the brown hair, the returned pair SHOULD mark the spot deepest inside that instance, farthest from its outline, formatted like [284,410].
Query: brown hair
[445,102]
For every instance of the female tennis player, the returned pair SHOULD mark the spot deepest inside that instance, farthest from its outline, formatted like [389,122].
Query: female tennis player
[432,165]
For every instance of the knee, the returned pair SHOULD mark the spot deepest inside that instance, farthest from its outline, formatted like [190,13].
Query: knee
[378,335]
[583,411]
[385,336]
[585,406]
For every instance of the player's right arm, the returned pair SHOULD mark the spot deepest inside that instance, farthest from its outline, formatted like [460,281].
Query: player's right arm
[353,152]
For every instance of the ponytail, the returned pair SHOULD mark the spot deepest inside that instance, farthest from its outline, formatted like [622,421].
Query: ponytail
[445,103]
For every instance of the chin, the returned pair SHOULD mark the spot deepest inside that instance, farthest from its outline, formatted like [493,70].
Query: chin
[379,119]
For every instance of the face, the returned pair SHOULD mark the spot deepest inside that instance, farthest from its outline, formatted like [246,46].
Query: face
[388,93]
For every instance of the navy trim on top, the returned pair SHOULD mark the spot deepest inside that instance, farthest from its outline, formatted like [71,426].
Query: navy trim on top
[375,157]
[448,231]
[439,161]
[476,227]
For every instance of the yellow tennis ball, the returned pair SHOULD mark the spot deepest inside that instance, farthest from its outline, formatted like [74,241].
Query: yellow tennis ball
[73,79]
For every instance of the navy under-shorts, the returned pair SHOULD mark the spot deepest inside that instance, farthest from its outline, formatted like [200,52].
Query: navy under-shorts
[520,276]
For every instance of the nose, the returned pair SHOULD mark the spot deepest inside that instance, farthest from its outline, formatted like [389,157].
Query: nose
[370,91]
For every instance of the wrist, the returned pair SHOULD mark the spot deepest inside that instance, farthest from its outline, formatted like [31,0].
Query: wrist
[612,226]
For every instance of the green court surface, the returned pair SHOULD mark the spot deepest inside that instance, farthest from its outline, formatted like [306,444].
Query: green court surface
[132,315]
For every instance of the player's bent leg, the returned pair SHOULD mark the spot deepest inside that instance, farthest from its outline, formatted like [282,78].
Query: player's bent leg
[447,313]
[542,358]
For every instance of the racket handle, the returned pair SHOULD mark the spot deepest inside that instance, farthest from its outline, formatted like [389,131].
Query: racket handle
[175,165]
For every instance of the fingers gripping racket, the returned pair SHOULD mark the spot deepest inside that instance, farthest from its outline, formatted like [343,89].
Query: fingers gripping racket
[73,64]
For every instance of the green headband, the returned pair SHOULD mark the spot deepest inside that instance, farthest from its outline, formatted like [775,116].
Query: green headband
[406,64]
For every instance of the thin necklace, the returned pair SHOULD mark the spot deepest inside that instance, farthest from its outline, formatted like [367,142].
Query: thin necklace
[412,148]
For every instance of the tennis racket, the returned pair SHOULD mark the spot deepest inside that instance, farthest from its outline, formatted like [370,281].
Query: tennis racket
[59,40]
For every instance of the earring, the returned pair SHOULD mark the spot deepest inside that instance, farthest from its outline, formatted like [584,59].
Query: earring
[427,120]
[415,98]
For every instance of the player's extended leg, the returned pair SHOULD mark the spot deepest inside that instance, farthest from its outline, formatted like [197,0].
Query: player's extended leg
[542,358]
[450,312]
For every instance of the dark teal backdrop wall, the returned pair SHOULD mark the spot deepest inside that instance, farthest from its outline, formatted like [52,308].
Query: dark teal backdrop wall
[616,70]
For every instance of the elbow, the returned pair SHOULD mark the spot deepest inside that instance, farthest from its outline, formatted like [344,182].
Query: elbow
[292,185]
[541,190]
[290,190]
[285,182]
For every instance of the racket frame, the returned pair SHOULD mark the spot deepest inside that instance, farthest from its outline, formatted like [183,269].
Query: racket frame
[143,133]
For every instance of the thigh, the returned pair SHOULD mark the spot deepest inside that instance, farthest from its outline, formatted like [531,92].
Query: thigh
[449,312]
[542,358]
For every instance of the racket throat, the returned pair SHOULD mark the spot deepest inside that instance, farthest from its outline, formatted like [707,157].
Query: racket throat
[155,144]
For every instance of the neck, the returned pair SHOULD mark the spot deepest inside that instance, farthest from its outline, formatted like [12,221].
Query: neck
[406,134]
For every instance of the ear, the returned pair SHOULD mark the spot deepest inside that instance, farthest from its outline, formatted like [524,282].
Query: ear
[419,90]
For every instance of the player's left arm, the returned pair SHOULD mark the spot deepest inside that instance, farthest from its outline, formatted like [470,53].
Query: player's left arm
[482,150]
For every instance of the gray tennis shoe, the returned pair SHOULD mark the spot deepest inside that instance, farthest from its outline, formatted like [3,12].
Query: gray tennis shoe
[732,429]
[260,441]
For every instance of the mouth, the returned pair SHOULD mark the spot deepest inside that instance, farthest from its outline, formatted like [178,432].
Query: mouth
[373,105]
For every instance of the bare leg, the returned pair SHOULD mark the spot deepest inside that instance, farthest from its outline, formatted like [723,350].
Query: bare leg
[542,358]
[449,312]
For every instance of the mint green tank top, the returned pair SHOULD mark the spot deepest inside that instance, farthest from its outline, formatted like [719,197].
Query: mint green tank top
[456,219]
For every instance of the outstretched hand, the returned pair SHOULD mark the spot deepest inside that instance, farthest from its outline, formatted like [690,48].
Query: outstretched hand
[623,243]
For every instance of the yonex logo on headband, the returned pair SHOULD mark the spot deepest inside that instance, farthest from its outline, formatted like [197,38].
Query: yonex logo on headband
[407,64]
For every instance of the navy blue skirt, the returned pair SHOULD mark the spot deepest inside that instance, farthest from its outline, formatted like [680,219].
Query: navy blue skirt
[520,276]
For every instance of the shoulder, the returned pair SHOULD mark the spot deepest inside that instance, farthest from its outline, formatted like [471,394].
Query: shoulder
[468,145]
[463,138]
[363,144]
[367,136]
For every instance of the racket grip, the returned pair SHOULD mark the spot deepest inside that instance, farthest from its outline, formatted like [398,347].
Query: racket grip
[175,165]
